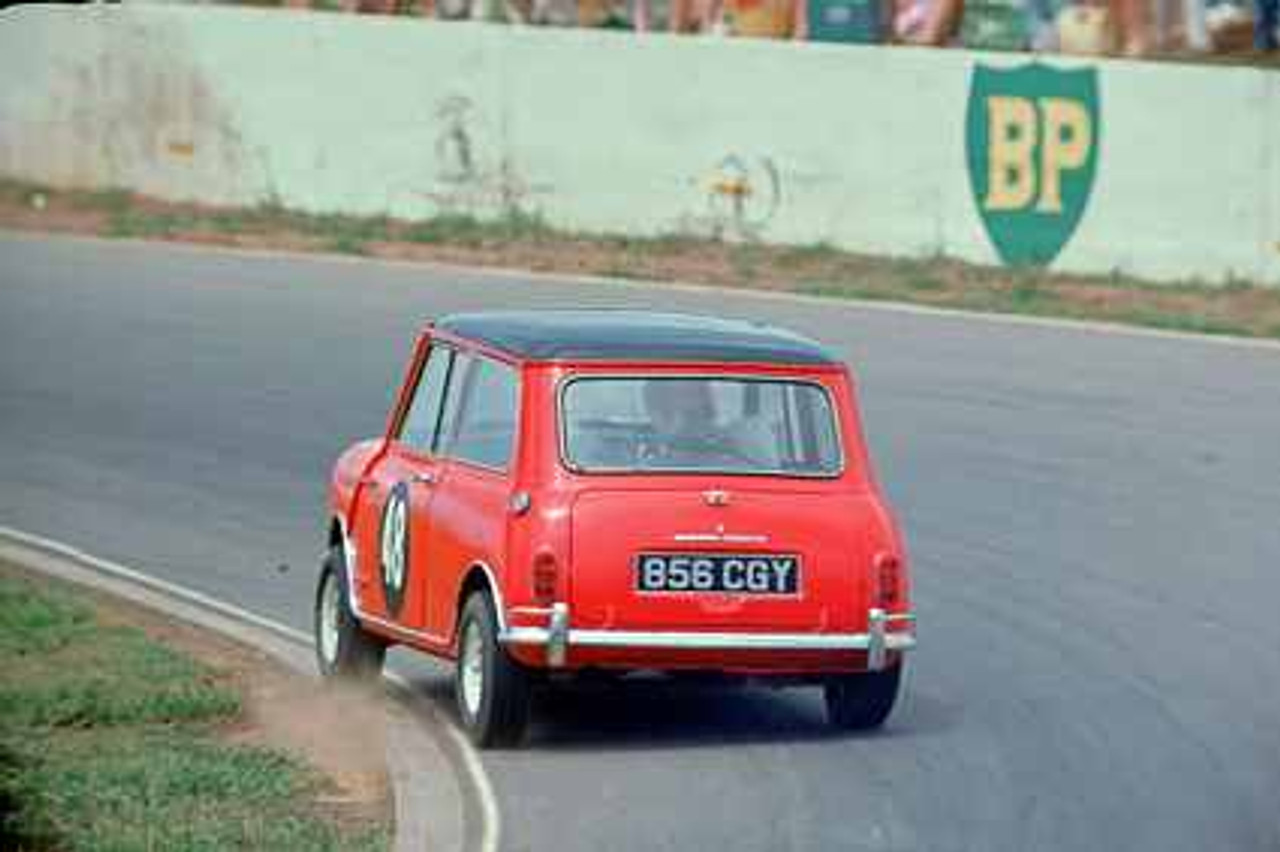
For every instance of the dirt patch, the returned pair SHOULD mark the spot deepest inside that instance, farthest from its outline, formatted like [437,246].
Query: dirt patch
[56,213]
[338,731]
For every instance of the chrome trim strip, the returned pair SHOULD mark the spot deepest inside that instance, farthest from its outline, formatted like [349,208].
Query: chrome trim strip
[542,611]
[499,608]
[437,638]
[715,641]
[349,556]
[558,635]
[721,538]
[877,639]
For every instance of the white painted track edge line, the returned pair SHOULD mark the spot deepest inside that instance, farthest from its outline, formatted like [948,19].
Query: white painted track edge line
[479,780]
[184,594]
[490,817]
[1101,327]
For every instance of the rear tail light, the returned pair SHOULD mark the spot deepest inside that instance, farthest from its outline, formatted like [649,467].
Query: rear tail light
[887,570]
[545,577]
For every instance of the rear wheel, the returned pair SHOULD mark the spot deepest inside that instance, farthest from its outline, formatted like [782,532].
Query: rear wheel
[343,648]
[492,689]
[859,702]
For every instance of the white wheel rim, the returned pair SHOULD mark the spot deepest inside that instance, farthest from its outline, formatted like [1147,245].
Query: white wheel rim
[472,669]
[329,620]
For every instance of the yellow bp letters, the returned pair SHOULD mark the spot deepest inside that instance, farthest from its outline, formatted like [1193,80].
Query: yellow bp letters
[1067,137]
[1011,177]
[1059,128]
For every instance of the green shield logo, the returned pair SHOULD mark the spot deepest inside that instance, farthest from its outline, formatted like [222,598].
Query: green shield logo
[1031,137]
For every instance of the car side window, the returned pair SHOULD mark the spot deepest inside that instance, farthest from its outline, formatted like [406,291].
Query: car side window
[486,427]
[420,429]
[458,381]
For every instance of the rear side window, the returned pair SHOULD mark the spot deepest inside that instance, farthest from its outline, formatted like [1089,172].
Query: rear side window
[486,425]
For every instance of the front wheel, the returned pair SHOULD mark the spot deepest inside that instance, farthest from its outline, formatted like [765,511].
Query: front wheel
[492,689]
[343,648]
[860,702]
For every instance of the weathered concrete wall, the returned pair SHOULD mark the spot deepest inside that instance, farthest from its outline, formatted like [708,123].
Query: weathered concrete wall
[1169,172]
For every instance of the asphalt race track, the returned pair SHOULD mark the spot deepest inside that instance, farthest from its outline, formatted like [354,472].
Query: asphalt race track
[1094,521]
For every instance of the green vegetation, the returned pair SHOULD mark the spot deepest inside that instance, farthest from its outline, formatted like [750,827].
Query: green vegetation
[524,240]
[456,229]
[108,741]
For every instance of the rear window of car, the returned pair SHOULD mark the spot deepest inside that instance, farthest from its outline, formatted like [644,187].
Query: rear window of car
[697,424]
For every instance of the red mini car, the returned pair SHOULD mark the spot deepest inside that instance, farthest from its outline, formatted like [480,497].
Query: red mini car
[561,492]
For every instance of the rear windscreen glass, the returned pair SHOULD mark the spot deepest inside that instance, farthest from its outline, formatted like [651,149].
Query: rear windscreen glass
[699,424]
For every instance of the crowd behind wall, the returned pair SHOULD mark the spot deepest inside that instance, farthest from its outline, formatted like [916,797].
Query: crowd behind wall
[1087,27]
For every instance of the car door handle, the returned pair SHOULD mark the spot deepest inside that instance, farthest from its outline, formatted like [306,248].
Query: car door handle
[423,478]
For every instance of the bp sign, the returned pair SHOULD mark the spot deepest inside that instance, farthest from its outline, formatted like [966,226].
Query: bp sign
[1032,147]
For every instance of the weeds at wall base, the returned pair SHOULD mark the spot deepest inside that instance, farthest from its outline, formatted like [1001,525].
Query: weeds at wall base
[525,240]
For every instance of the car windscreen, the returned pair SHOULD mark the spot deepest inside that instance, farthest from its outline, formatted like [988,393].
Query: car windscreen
[699,424]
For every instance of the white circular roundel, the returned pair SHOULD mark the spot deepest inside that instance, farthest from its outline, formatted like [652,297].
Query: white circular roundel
[395,546]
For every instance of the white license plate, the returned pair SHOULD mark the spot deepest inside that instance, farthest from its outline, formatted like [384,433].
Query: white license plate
[734,573]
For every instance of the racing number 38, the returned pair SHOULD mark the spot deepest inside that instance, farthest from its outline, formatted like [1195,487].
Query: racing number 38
[394,547]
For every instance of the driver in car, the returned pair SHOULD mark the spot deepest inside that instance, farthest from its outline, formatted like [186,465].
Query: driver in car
[682,417]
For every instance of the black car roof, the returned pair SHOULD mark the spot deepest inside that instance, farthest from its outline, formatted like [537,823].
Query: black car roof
[628,335]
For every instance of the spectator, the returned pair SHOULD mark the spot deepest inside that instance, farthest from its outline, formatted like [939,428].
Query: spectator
[1197,33]
[1129,19]
[760,18]
[1042,25]
[928,22]
[943,22]
[910,19]
[694,16]
[641,16]
[1085,30]
[1264,24]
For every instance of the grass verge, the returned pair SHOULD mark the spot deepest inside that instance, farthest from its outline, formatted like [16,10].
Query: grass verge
[112,741]
[524,241]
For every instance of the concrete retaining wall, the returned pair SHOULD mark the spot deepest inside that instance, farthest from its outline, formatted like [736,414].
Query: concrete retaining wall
[1164,171]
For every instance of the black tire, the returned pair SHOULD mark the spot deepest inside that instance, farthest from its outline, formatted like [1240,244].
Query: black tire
[350,653]
[494,709]
[860,702]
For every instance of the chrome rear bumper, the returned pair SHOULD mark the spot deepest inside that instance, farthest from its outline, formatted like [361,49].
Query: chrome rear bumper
[559,637]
